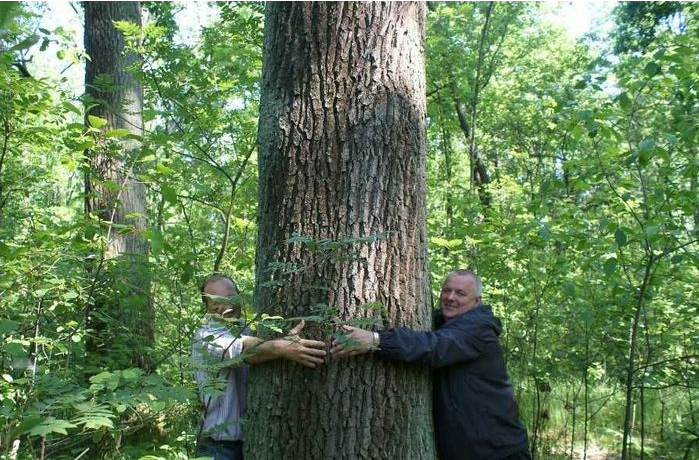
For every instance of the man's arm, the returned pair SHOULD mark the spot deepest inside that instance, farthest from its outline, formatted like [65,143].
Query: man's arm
[309,353]
[448,345]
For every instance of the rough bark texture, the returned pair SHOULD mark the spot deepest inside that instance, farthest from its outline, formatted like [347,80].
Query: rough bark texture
[121,312]
[342,154]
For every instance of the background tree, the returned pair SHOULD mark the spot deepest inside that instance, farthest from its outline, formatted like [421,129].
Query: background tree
[121,312]
[342,158]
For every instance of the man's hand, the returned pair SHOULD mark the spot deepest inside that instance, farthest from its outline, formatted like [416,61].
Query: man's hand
[309,353]
[356,341]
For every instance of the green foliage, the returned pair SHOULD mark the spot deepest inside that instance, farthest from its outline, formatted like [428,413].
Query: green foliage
[589,233]
[638,23]
[592,222]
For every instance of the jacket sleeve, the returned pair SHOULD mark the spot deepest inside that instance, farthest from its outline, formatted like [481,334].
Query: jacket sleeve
[448,345]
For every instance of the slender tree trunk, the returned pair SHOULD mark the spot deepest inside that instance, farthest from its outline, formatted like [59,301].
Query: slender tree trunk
[475,93]
[479,172]
[3,155]
[662,417]
[342,155]
[629,411]
[573,417]
[120,311]
[694,187]
[586,395]
[448,175]
[536,403]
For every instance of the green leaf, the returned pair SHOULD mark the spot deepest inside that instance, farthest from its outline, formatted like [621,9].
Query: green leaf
[72,108]
[96,122]
[609,266]
[544,233]
[120,132]
[651,69]
[624,101]
[620,237]
[41,292]
[105,379]
[132,373]
[187,273]
[7,326]
[651,230]
[162,169]
[98,418]
[14,349]
[587,317]
[156,241]
[646,145]
[449,244]
[645,152]
[26,43]
[51,425]
[101,377]
[677,258]
[374,306]
[29,422]
[7,13]
[169,194]
[86,145]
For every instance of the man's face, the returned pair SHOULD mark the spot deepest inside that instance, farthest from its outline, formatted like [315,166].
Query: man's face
[458,296]
[222,298]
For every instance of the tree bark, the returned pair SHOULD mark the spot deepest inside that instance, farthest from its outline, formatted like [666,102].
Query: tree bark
[341,148]
[120,311]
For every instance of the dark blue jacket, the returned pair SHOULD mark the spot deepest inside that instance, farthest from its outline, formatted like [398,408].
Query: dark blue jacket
[475,413]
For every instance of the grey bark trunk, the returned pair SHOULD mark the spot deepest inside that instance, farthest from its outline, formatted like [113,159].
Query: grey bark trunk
[121,311]
[342,154]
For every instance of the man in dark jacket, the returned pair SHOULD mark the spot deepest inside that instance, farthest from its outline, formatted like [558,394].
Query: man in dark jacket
[475,413]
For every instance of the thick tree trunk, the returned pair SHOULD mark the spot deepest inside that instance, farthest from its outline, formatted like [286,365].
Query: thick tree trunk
[121,312]
[342,155]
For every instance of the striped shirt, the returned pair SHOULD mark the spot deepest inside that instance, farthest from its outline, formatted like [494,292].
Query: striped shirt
[215,347]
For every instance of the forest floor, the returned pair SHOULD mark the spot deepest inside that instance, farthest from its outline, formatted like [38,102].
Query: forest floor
[594,452]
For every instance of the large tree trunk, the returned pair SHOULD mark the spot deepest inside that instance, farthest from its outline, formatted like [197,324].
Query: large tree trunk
[120,310]
[341,155]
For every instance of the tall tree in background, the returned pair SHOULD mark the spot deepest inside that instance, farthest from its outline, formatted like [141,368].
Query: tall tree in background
[120,307]
[342,160]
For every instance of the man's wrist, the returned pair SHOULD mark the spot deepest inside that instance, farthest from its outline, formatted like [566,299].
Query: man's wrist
[376,341]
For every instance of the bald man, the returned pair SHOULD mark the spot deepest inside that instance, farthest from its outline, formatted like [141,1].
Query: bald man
[216,346]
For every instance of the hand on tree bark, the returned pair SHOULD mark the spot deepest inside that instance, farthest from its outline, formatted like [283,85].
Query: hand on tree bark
[309,353]
[355,341]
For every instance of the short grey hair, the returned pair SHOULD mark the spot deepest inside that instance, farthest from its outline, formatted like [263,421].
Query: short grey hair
[466,272]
